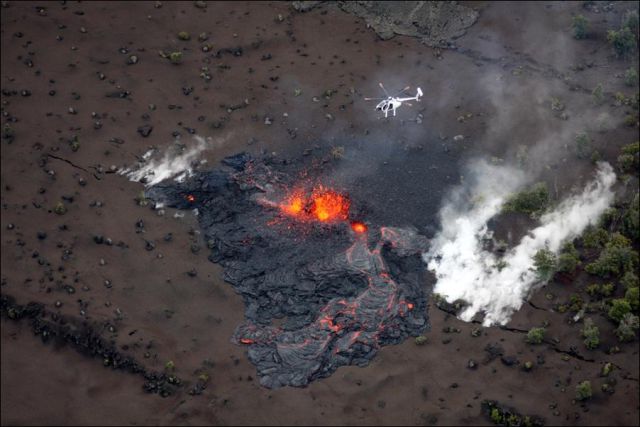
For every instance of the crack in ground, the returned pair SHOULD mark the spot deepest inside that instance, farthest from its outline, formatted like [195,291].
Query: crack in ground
[536,307]
[526,62]
[53,156]
[552,345]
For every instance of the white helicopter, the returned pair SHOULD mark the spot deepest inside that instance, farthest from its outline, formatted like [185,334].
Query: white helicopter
[391,103]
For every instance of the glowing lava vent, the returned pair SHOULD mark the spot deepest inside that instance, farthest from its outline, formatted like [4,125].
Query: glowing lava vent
[322,204]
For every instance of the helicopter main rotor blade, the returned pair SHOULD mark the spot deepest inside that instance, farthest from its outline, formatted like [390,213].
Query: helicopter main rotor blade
[385,91]
[403,90]
[373,99]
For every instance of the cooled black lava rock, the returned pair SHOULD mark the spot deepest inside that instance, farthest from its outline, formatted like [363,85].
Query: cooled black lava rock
[341,294]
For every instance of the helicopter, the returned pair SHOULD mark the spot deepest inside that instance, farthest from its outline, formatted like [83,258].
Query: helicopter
[391,103]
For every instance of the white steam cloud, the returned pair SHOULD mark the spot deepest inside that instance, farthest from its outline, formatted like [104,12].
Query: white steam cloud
[466,271]
[171,165]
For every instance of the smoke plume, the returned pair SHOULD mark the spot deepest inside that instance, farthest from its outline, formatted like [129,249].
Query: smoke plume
[465,270]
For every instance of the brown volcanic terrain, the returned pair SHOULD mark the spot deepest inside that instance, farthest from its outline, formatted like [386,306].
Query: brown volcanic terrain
[67,57]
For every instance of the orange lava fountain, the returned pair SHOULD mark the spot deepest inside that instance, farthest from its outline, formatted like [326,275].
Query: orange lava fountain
[327,205]
[323,205]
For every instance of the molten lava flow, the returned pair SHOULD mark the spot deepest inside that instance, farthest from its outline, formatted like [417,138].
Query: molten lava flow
[358,227]
[329,205]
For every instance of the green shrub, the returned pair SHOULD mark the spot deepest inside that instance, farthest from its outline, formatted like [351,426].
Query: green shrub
[183,35]
[421,340]
[630,280]
[606,290]
[629,159]
[569,259]
[546,263]
[619,307]
[591,334]
[575,303]
[626,162]
[593,290]
[626,330]
[583,390]
[631,219]
[535,336]
[175,57]
[630,120]
[60,208]
[630,21]
[532,201]
[496,416]
[608,217]
[631,77]
[583,145]
[600,290]
[580,26]
[606,369]
[623,41]
[617,258]
[633,298]
[598,94]
[594,237]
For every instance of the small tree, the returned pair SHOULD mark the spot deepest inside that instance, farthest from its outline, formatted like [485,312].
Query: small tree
[591,334]
[545,262]
[630,21]
[175,57]
[618,257]
[629,158]
[598,94]
[583,390]
[633,298]
[626,330]
[532,201]
[594,237]
[535,335]
[630,280]
[619,307]
[583,145]
[569,258]
[623,41]
[631,218]
[580,26]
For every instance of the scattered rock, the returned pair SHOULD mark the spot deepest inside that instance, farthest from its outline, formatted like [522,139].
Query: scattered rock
[145,130]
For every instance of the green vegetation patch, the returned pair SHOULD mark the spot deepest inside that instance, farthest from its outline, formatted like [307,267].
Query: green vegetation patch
[533,201]
[535,336]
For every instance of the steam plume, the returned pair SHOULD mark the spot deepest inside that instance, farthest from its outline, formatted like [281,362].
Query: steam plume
[170,165]
[465,270]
